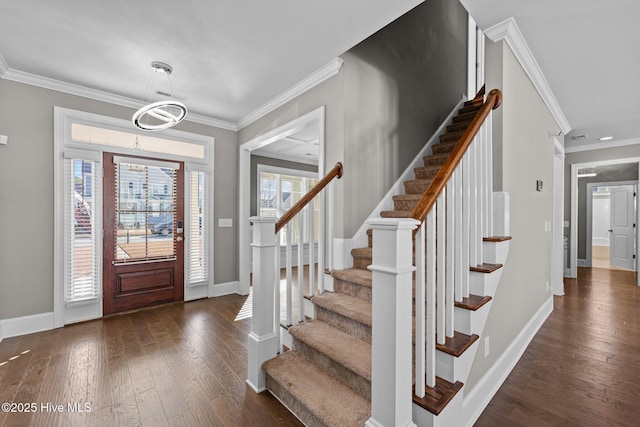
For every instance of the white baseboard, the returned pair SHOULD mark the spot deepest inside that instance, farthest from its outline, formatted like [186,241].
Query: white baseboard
[583,263]
[26,325]
[477,400]
[220,289]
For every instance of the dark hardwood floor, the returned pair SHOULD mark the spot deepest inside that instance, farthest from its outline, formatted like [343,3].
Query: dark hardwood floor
[583,366]
[175,365]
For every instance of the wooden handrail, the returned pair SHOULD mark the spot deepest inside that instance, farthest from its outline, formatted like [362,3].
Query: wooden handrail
[336,172]
[493,101]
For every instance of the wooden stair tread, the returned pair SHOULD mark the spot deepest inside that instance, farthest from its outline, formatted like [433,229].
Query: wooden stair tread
[437,398]
[346,306]
[347,350]
[497,238]
[473,303]
[458,344]
[354,275]
[327,399]
[486,267]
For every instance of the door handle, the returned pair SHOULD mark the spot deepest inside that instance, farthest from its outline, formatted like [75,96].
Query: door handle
[610,231]
[179,239]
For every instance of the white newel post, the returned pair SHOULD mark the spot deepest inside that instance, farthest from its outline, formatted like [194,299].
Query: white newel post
[391,377]
[263,339]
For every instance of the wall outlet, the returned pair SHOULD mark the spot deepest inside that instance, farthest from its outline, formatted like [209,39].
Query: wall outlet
[548,287]
[486,347]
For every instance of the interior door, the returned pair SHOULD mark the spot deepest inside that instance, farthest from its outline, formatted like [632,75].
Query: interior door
[143,232]
[622,227]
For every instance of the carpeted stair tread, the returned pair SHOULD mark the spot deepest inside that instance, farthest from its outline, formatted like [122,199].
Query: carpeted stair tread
[348,351]
[315,397]
[395,214]
[444,147]
[435,159]
[417,186]
[346,306]
[354,275]
[451,136]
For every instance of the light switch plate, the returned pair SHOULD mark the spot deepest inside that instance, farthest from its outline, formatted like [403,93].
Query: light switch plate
[225,222]
[4,139]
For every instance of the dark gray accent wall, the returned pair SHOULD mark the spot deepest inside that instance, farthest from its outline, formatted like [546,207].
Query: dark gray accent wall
[611,173]
[399,85]
[260,160]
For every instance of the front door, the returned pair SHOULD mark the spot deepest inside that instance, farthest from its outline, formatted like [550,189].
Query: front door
[143,232]
[622,227]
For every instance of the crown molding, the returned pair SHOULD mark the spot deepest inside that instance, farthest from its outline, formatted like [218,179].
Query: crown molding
[508,31]
[73,89]
[602,145]
[314,79]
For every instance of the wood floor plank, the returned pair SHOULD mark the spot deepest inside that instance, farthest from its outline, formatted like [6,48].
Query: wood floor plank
[582,368]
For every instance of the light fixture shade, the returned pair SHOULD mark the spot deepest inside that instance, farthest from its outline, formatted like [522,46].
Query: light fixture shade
[159,115]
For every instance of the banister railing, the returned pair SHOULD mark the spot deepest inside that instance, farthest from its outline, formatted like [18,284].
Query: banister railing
[270,299]
[419,212]
[336,172]
[445,232]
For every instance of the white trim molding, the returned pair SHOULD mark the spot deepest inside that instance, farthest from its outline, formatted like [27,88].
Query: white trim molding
[508,31]
[602,145]
[26,325]
[314,79]
[221,289]
[479,397]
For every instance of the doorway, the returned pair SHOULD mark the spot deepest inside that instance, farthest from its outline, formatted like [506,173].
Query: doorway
[143,232]
[611,220]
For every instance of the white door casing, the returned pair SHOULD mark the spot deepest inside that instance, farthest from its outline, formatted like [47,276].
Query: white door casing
[622,227]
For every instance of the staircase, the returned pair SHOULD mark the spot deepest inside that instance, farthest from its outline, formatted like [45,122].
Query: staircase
[325,378]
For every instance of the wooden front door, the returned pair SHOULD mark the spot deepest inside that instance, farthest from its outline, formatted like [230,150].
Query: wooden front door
[143,232]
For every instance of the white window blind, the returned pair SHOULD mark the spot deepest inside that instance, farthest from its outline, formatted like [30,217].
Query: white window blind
[197,252]
[80,234]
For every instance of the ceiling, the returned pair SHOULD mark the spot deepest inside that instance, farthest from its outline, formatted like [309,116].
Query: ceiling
[589,53]
[230,58]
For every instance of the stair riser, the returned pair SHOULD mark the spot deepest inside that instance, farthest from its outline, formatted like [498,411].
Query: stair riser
[345,324]
[412,187]
[469,321]
[434,160]
[404,205]
[361,262]
[352,289]
[295,407]
[495,252]
[443,148]
[352,380]
[484,283]
[453,368]
[428,172]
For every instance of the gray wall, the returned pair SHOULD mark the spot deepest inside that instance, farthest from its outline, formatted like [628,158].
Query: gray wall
[526,153]
[620,172]
[260,160]
[393,91]
[26,194]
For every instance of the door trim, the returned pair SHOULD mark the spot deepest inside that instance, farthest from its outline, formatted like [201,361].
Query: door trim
[63,119]
[573,250]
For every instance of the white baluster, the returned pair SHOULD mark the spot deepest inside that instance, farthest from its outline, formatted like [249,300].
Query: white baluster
[459,267]
[312,249]
[301,266]
[276,290]
[466,223]
[431,298]
[289,276]
[489,123]
[473,204]
[330,226]
[321,239]
[440,270]
[420,302]
[450,246]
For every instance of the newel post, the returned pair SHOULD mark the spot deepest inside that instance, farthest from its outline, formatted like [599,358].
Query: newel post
[391,340]
[263,338]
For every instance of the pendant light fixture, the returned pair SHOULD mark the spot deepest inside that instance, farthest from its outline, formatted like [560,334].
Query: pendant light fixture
[161,114]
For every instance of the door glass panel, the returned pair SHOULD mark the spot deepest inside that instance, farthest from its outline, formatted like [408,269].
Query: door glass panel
[145,212]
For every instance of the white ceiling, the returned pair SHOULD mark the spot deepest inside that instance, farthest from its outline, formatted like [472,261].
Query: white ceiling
[229,57]
[589,52]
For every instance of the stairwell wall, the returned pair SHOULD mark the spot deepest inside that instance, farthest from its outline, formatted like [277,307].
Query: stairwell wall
[523,154]
[394,89]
